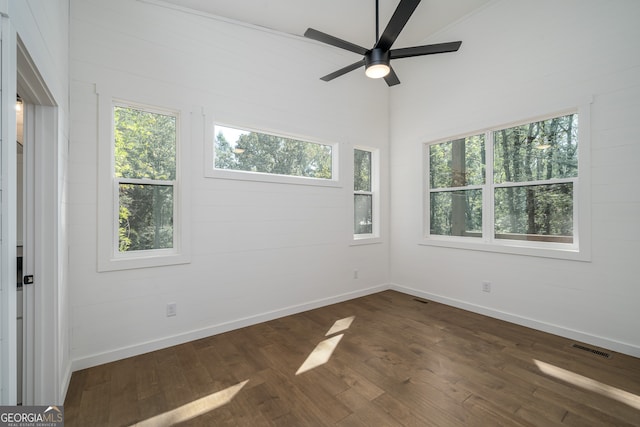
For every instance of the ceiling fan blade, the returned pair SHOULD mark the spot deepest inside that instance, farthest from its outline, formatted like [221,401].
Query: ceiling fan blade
[392,78]
[396,23]
[334,41]
[343,71]
[429,49]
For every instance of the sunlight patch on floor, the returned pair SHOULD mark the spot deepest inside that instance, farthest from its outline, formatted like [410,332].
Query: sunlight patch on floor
[340,325]
[193,409]
[321,354]
[586,383]
[323,351]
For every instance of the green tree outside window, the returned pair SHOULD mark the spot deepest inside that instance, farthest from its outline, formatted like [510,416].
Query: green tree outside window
[145,173]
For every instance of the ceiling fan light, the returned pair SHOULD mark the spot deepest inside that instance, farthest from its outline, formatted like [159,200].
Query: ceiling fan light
[377,63]
[377,71]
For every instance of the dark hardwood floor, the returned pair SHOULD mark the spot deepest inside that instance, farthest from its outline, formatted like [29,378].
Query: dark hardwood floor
[400,362]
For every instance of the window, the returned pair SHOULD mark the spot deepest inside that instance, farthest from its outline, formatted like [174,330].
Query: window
[512,186]
[456,180]
[247,154]
[145,178]
[365,203]
[535,167]
[140,202]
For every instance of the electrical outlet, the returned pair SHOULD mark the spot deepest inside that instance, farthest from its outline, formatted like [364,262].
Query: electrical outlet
[171,309]
[486,286]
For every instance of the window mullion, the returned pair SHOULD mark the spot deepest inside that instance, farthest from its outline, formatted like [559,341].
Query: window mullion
[461,188]
[426,193]
[539,182]
[488,216]
[145,181]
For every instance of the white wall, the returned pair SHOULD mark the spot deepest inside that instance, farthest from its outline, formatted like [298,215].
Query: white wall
[519,60]
[258,250]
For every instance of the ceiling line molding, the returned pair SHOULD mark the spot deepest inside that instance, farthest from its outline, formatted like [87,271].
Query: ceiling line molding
[190,11]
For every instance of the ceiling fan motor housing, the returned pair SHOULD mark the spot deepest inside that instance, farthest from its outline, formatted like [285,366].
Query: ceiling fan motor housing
[376,56]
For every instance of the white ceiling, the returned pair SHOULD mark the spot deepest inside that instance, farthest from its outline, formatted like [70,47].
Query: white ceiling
[351,20]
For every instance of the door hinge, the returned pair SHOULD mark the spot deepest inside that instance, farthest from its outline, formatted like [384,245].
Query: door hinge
[27,280]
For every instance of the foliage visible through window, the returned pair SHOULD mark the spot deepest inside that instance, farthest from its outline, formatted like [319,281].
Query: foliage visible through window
[535,167]
[241,150]
[145,174]
[531,155]
[363,194]
[456,178]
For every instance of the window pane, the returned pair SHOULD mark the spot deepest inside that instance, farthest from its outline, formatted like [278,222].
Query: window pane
[145,144]
[538,212]
[146,217]
[456,213]
[236,149]
[361,170]
[457,163]
[537,151]
[363,218]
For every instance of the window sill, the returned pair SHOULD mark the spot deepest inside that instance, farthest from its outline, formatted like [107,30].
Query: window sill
[555,251]
[145,260]
[272,178]
[359,241]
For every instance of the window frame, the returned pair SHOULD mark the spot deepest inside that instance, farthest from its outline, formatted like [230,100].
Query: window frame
[579,250]
[374,236]
[453,189]
[110,258]
[118,181]
[212,172]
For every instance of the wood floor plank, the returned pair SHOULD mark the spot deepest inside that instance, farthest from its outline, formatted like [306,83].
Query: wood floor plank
[199,380]
[402,412]
[174,384]
[149,406]
[355,380]
[74,396]
[401,361]
[123,407]
[485,412]
[147,376]
[362,408]
[94,406]
[220,373]
[309,392]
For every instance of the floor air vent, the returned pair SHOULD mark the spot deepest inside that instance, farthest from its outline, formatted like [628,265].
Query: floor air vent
[591,350]
[421,301]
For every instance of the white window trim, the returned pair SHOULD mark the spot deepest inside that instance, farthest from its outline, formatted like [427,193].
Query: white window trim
[109,257]
[211,172]
[579,250]
[374,236]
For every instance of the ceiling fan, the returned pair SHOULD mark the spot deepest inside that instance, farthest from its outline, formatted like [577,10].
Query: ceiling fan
[377,60]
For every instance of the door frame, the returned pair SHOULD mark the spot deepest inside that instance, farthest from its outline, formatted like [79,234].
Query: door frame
[41,349]
[8,187]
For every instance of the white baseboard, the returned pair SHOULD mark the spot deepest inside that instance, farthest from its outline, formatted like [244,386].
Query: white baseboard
[153,345]
[584,337]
